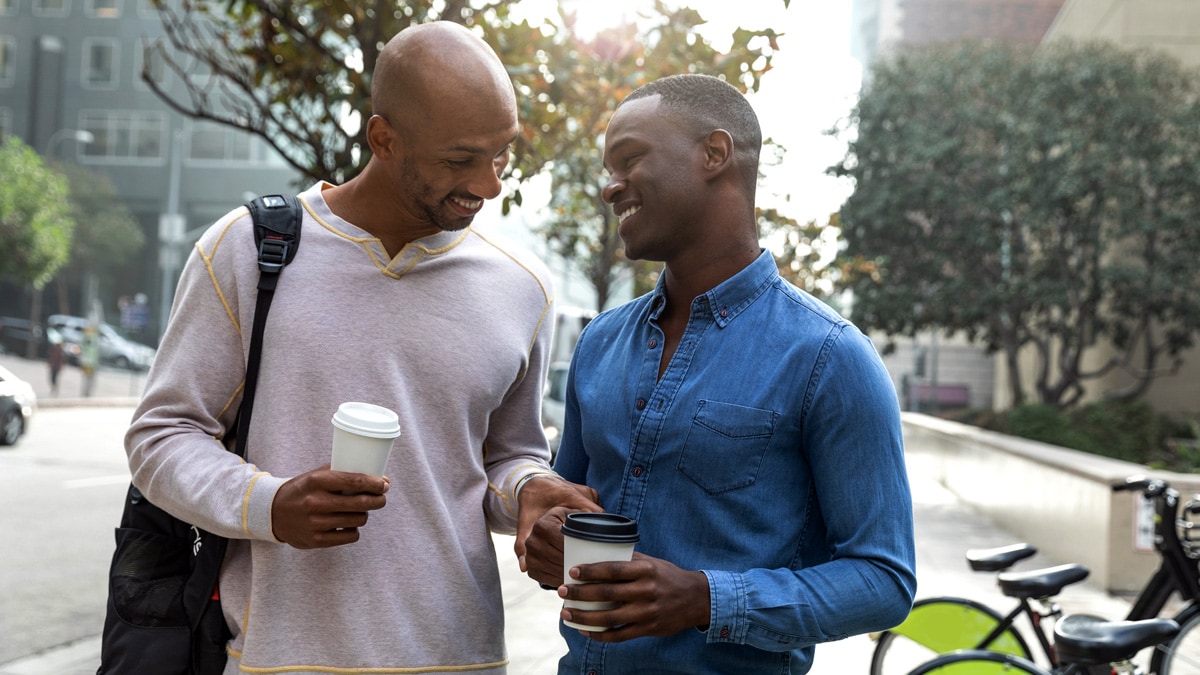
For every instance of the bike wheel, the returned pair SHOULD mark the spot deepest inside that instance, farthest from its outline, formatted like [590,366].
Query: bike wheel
[978,662]
[1182,654]
[939,626]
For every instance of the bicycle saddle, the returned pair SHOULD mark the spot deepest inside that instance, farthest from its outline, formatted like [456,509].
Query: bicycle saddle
[996,559]
[1041,583]
[1088,640]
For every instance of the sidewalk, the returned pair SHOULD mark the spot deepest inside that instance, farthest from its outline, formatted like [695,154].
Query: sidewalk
[111,386]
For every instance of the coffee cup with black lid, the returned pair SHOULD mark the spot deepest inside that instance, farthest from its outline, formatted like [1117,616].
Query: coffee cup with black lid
[592,538]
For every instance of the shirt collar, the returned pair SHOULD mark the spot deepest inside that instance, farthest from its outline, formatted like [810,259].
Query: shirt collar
[731,297]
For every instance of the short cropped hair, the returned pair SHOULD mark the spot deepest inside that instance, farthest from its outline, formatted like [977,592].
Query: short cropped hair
[709,103]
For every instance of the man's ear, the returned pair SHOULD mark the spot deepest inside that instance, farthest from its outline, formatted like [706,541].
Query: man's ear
[718,151]
[381,137]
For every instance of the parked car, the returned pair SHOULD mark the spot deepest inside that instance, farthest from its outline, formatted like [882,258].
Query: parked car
[115,349]
[17,405]
[15,334]
[554,402]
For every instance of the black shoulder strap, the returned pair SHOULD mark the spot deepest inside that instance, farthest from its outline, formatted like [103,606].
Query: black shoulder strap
[277,235]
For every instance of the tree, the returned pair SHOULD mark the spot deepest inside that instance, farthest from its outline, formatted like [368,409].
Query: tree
[1039,201]
[35,222]
[265,67]
[106,233]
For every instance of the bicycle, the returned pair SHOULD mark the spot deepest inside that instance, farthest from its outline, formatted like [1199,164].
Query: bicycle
[1085,645]
[945,624]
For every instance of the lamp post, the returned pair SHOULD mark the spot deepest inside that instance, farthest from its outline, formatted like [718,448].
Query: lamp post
[78,135]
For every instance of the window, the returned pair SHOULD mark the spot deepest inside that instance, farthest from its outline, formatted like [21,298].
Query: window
[51,7]
[100,56]
[212,142]
[8,6]
[104,9]
[157,68]
[5,123]
[7,67]
[125,135]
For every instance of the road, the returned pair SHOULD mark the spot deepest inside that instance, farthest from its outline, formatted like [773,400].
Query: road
[61,492]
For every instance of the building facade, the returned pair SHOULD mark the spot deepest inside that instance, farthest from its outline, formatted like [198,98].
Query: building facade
[71,88]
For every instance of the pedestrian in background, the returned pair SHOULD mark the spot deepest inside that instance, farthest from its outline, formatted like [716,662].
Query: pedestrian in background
[89,357]
[55,358]
[751,431]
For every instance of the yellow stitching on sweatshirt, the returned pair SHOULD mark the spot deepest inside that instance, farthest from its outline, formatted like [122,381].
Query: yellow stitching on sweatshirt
[536,278]
[245,501]
[372,671]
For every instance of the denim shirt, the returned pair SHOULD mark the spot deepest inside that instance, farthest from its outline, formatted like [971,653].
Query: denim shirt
[768,455]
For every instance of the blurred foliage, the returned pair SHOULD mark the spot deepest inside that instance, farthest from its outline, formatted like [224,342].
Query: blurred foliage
[106,233]
[1041,202]
[36,222]
[1126,430]
[298,75]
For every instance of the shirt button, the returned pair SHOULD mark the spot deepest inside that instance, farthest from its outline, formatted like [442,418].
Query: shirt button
[653,344]
[637,471]
[724,312]
[592,672]
[724,631]
[641,403]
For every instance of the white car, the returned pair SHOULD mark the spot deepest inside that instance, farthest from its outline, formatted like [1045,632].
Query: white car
[17,404]
[115,349]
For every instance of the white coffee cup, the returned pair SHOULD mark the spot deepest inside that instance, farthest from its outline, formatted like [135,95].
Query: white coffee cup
[591,538]
[363,435]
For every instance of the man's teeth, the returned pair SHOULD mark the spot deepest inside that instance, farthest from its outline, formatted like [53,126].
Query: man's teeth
[468,204]
[628,212]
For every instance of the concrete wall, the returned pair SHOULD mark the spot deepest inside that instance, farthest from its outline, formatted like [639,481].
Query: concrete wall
[1060,500]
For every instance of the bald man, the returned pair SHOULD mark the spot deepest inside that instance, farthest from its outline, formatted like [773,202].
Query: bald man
[393,299]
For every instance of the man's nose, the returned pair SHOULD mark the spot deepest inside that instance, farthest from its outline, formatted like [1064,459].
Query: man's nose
[610,191]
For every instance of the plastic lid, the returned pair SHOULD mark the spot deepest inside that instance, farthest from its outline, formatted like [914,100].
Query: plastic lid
[366,419]
[609,528]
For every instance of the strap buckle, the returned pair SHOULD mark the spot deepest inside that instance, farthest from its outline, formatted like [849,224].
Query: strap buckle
[272,255]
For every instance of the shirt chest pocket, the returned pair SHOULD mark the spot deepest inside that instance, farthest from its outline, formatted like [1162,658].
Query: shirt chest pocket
[725,445]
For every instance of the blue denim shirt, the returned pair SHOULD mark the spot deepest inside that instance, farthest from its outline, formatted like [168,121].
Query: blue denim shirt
[769,456]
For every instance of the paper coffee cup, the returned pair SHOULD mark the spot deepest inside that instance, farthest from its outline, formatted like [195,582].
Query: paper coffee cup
[362,438]
[590,538]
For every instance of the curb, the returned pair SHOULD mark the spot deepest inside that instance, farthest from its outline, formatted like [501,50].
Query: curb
[91,402]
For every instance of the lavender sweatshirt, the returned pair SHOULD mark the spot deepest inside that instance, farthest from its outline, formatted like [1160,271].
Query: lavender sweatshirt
[453,334]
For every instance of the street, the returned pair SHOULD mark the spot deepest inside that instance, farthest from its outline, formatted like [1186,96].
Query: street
[61,493]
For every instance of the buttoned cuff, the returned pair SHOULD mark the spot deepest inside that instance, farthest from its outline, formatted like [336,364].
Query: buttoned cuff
[726,608]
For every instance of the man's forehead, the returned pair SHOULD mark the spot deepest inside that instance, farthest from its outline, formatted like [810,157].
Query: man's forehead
[632,116]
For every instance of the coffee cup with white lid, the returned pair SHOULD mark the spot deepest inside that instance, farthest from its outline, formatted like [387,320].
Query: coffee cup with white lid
[363,434]
[591,538]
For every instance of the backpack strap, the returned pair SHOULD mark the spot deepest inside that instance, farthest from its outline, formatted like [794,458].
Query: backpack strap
[277,221]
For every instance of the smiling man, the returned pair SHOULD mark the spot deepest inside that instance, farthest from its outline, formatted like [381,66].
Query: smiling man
[752,432]
[392,299]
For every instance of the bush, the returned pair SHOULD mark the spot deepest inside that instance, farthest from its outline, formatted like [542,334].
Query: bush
[1129,431]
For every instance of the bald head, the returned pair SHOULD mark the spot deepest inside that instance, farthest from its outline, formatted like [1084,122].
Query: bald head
[433,65]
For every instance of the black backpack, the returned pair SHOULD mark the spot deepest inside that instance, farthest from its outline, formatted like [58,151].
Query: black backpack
[164,611]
